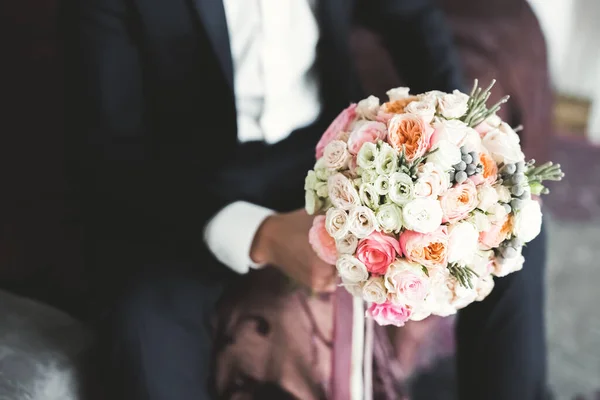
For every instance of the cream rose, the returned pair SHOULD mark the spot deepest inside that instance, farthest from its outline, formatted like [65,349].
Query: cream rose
[355,289]
[336,155]
[462,242]
[347,244]
[459,201]
[446,156]
[431,97]
[503,145]
[422,215]
[368,108]
[398,93]
[483,262]
[424,109]
[401,189]
[527,222]
[497,213]
[505,266]
[351,270]
[432,181]
[487,197]
[480,220]
[362,221]
[389,217]
[462,296]
[374,290]
[451,130]
[503,193]
[453,105]
[386,161]
[367,156]
[336,223]
[484,286]
[342,192]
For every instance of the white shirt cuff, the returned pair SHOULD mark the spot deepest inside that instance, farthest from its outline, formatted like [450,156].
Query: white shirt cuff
[230,233]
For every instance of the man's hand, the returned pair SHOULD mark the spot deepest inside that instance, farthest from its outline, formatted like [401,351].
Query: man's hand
[282,242]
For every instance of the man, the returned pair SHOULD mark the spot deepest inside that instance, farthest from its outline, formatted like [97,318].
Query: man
[194,123]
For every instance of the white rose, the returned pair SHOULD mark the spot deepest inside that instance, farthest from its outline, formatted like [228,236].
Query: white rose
[446,156]
[312,203]
[310,181]
[420,312]
[494,121]
[503,193]
[496,213]
[435,174]
[386,161]
[351,270]
[374,290]
[438,301]
[368,108]
[355,289]
[398,93]
[453,105]
[389,217]
[462,243]
[484,287]
[369,196]
[487,197]
[503,146]
[322,189]
[481,221]
[432,96]
[347,244]
[422,215]
[368,176]
[342,192]
[482,262]
[321,171]
[463,296]
[424,109]
[382,185]
[472,141]
[527,222]
[336,223]
[336,155]
[505,266]
[452,130]
[362,221]
[401,188]
[367,155]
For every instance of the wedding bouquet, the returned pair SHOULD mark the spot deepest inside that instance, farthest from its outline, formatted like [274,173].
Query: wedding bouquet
[422,200]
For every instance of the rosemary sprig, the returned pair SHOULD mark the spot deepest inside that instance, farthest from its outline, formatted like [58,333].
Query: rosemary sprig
[538,174]
[477,108]
[463,274]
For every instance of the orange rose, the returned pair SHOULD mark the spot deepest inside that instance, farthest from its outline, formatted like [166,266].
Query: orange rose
[497,234]
[490,168]
[412,133]
[397,106]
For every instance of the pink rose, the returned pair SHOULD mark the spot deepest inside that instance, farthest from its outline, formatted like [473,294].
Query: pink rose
[389,314]
[340,123]
[459,201]
[322,243]
[366,131]
[497,233]
[406,282]
[428,249]
[377,251]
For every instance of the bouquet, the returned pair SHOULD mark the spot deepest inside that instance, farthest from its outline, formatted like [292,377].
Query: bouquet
[422,200]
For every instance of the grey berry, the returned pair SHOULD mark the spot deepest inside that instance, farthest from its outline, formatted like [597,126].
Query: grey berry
[461,176]
[479,169]
[526,194]
[467,158]
[461,166]
[516,204]
[451,176]
[519,178]
[520,166]
[471,169]
[516,243]
[517,190]
[507,208]
[463,150]
[510,168]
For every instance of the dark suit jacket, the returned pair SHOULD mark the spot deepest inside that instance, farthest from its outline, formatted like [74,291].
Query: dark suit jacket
[152,105]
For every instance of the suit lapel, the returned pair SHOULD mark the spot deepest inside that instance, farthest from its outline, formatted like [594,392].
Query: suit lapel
[212,16]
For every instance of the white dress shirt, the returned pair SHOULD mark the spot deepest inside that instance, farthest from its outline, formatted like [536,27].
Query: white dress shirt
[273,47]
